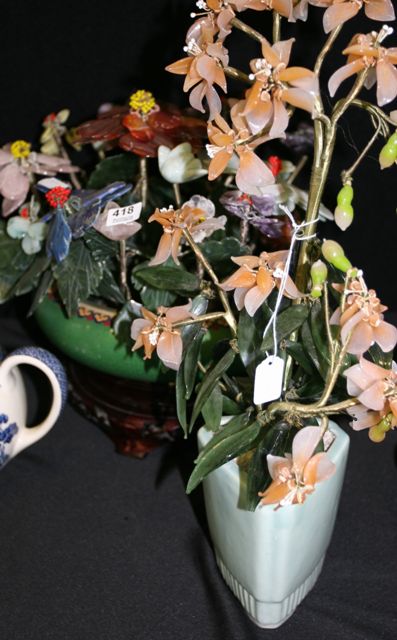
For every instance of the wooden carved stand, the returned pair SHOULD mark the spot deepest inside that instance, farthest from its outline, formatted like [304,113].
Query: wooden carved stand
[137,416]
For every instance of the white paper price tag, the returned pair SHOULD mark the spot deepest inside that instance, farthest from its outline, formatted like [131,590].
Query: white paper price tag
[268,380]
[51,183]
[123,215]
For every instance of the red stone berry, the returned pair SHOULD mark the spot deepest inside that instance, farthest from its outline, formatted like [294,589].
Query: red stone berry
[58,196]
[275,164]
[24,212]
[245,197]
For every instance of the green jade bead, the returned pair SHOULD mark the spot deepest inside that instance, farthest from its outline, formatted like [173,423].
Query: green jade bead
[317,291]
[344,215]
[334,254]
[377,433]
[342,263]
[345,195]
[388,154]
[318,274]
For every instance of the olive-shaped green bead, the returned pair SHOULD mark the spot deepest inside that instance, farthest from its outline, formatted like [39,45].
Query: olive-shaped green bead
[318,272]
[392,141]
[333,253]
[378,431]
[331,250]
[388,154]
[344,216]
[317,291]
[342,263]
[345,195]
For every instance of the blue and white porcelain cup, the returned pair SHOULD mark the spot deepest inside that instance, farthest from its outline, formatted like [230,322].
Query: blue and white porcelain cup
[14,434]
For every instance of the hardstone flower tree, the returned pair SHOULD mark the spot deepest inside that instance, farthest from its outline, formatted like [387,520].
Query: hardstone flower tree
[336,349]
[85,242]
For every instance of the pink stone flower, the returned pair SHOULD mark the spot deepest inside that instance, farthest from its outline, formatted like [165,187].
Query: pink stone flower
[223,11]
[253,175]
[376,389]
[276,85]
[283,7]
[294,477]
[203,69]
[220,12]
[339,11]
[156,332]
[362,321]
[256,278]
[197,215]
[365,52]
[116,232]
[301,8]
[17,165]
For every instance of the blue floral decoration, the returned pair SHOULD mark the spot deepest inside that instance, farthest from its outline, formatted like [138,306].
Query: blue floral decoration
[51,361]
[6,435]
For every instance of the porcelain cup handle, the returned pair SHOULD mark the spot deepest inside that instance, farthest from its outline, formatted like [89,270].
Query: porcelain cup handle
[53,369]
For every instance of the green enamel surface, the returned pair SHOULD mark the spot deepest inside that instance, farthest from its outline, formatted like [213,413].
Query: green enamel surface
[94,345]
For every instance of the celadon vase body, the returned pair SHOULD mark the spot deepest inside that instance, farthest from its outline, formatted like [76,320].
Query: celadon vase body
[271,558]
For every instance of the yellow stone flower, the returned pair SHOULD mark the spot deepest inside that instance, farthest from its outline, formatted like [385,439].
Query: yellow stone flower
[143,102]
[20,149]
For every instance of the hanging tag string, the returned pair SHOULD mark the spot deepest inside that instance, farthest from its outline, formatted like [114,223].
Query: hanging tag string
[297,236]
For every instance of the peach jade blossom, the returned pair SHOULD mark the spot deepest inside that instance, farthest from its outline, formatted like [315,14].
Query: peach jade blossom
[203,69]
[253,175]
[283,7]
[362,322]
[295,476]
[339,11]
[156,332]
[376,389]
[301,9]
[221,14]
[364,52]
[17,166]
[275,85]
[256,278]
[197,215]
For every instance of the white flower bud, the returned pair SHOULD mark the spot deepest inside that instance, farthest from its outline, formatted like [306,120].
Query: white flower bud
[179,165]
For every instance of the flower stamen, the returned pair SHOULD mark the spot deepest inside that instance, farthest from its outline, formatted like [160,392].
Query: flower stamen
[20,149]
[143,102]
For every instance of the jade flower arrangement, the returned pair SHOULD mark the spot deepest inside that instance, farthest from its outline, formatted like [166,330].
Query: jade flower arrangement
[189,224]
[305,309]
[191,237]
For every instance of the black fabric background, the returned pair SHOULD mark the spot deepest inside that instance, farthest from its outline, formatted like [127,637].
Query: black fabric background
[94,545]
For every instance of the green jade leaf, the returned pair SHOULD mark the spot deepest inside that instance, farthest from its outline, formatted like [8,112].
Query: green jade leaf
[236,438]
[287,322]
[77,276]
[209,382]
[167,278]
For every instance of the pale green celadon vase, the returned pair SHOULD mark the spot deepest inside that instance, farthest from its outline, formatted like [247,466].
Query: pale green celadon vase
[271,558]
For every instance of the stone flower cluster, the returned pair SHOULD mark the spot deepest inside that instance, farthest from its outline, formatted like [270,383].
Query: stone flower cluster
[275,87]
[196,269]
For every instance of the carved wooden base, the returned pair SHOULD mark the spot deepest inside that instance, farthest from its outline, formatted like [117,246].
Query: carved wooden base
[137,416]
